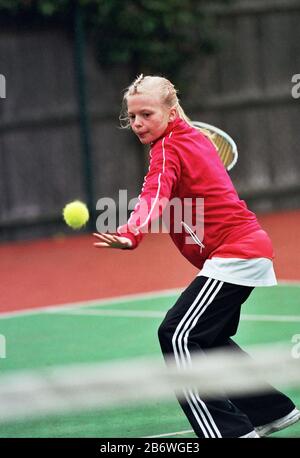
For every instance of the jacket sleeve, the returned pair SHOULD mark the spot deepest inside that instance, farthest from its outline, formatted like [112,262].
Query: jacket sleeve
[160,181]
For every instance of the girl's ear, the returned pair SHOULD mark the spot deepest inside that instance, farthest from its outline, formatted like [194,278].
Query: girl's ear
[173,114]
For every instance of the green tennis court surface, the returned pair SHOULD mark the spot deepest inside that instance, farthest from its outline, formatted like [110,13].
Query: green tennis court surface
[121,330]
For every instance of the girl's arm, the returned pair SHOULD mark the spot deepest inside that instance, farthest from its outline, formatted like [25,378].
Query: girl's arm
[163,175]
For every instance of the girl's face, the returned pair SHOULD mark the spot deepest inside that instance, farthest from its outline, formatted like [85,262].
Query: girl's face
[148,117]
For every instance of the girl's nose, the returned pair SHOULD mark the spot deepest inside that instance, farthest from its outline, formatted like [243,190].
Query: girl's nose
[137,121]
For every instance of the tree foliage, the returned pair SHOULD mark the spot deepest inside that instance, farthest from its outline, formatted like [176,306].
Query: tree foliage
[149,35]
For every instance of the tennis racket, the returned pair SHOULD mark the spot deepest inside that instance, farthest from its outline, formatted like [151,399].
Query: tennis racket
[225,145]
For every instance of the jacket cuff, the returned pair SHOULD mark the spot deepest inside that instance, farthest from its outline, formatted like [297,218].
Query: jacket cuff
[135,239]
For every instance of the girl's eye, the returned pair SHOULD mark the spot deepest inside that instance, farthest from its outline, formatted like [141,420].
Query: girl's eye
[146,115]
[131,117]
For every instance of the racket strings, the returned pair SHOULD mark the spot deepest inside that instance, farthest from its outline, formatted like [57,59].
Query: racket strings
[223,143]
[225,151]
[222,146]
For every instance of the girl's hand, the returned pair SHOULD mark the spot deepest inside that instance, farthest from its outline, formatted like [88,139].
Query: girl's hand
[111,241]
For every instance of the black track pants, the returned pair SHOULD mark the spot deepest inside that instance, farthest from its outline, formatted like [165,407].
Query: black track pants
[204,317]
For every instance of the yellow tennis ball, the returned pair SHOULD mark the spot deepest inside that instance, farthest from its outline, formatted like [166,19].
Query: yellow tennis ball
[76,214]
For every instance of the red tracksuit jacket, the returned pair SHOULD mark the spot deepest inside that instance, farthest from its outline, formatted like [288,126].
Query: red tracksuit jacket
[185,164]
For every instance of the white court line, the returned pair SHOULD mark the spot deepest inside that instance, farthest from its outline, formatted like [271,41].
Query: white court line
[112,300]
[153,314]
[94,302]
[178,433]
[281,318]
[116,313]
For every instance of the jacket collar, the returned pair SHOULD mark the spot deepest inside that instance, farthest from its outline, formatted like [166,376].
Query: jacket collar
[171,126]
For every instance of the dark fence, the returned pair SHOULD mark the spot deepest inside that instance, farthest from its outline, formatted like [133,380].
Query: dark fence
[244,89]
[247,90]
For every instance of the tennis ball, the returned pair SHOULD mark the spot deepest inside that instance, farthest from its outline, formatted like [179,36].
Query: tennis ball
[76,214]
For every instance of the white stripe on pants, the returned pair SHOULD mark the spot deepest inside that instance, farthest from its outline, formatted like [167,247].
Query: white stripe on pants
[183,356]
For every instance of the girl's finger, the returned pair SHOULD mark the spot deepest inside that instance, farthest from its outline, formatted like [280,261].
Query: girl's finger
[97,234]
[101,245]
[106,238]
[100,235]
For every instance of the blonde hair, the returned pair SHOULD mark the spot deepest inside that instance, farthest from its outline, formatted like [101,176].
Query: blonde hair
[147,85]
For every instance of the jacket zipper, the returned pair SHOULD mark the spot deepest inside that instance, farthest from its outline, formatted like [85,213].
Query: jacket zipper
[193,235]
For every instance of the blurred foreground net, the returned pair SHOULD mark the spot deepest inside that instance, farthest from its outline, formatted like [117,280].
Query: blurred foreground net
[35,393]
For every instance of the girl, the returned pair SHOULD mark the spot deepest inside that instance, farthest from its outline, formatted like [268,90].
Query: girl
[233,256]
